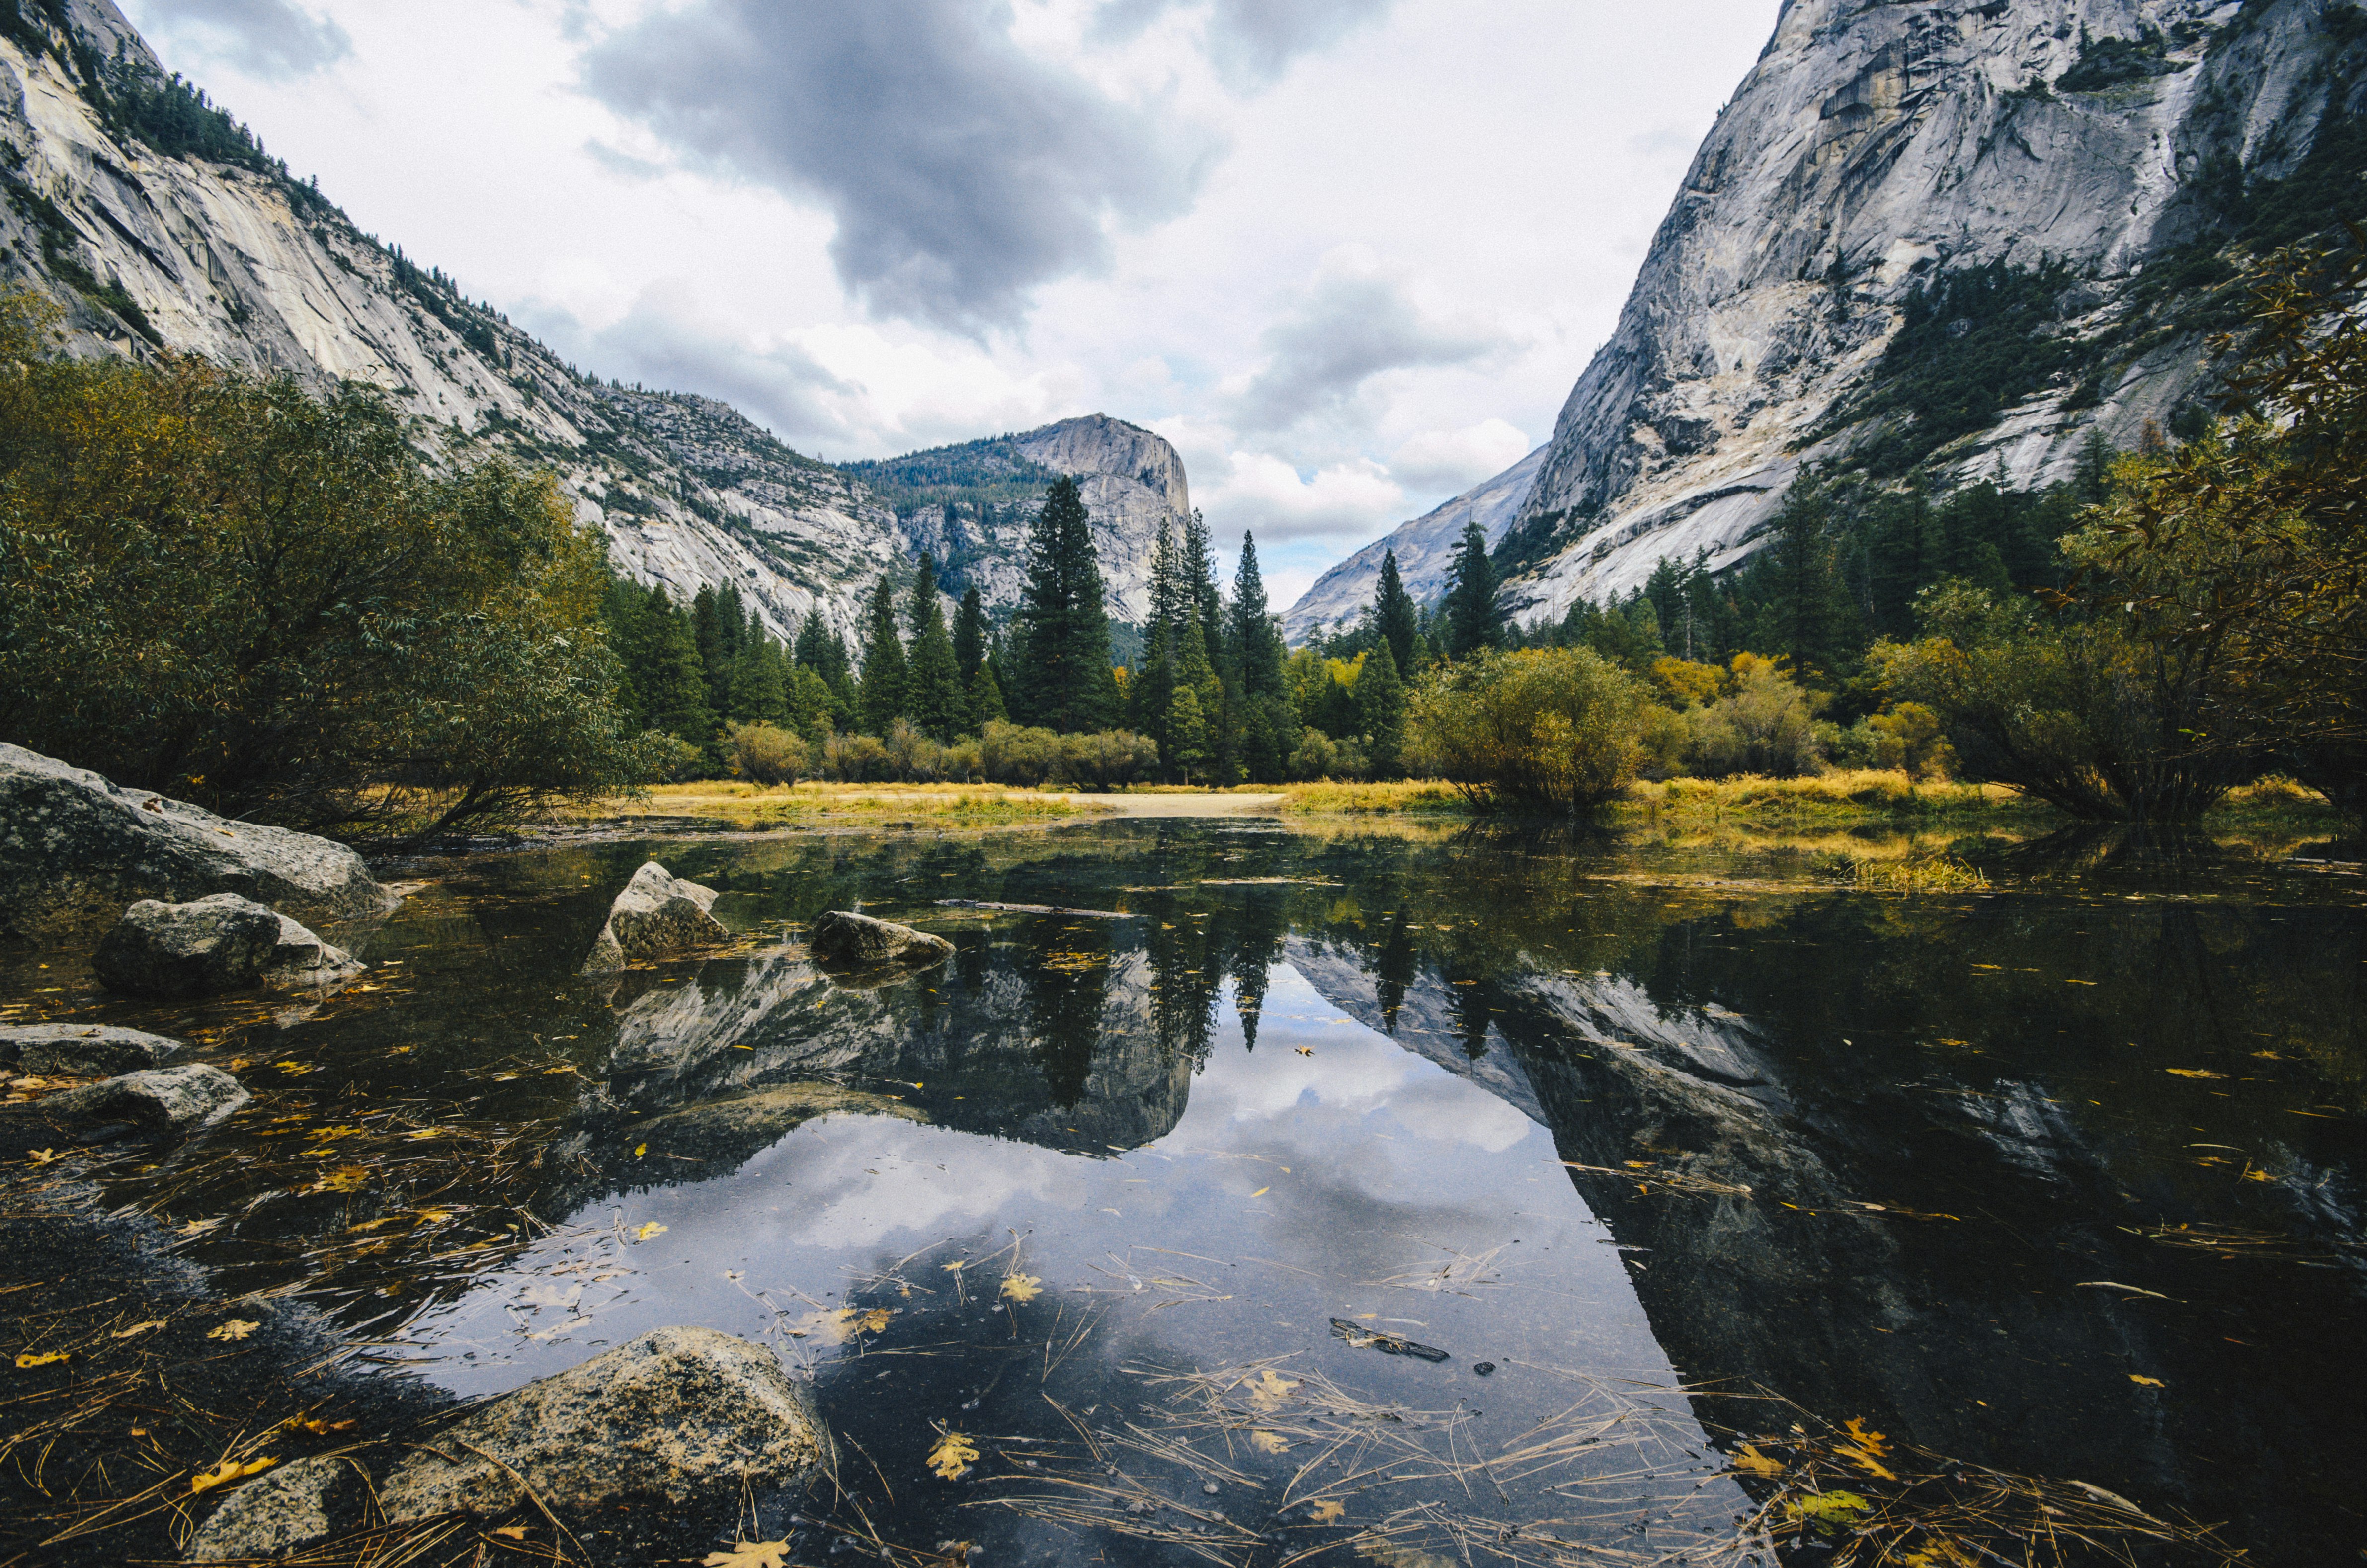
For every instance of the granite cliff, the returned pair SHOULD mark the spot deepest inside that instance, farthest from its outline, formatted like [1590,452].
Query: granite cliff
[1958,235]
[157,224]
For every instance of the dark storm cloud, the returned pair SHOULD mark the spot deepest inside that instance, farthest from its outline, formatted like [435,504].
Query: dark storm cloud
[262,38]
[1346,329]
[962,170]
[1252,42]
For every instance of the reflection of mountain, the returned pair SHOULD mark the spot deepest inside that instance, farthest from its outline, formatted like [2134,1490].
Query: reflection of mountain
[1049,1039]
[1916,1245]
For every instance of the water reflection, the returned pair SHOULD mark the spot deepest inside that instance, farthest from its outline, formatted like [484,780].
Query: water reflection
[2062,1179]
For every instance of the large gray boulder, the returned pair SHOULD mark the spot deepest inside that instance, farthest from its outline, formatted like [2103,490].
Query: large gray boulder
[841,938]
[677,1414]
[210,945]
[658,915]
[166,1101]
[283,1510]
[82,1049]
[75,848]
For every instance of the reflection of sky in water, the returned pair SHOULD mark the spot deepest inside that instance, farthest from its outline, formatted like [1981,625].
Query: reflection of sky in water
[1336,1183]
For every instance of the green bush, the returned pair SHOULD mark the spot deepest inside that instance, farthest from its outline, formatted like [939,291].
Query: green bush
[1557,729]
[764,754]
[1764,726]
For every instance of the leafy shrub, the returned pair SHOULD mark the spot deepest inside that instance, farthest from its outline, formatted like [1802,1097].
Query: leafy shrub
[855,759]
[1014,754]
[1559,729]
[765,753]
[1767,725]
[1318,756]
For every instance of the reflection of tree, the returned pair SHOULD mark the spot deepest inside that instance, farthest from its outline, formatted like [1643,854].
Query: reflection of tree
[1067,978]
[1254,935]
[1395,964]
[1470,1006]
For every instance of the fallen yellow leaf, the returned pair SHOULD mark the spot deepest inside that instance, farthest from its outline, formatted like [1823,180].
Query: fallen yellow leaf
[1022,1287]
[1326,1512]
[1751,1461]
[227,1471]
[137,1328]
[2149,1382]
[1267,1390]
[1261,1192]
[40,1156]
[952,1456]
[2191,1073]
[749,1554]
[237,1328]
[1267,1442]
[43,1359]
[651,1228]
[344,1178]
[639,1149]
[512,1533]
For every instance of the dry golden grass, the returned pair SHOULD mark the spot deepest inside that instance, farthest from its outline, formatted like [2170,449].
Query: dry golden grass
[1419,797]
[820,805]
[1851,793]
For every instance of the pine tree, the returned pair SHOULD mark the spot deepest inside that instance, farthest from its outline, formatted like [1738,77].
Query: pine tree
[720,623]
[969,634]
[1061,665]
[813,640]
[1473,620]
[1380,712]
[1256,697]
[1187,729]
[759,682]
[1152,687]
[985,697]
[934,699]
[1395,618]
[1256,639]
[882,702]
[1200,572]
[674,681]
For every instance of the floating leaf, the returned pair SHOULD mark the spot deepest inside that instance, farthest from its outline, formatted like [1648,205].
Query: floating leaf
[1865,1447]
[1022,1287]
[1326,1512]
[651,1228]
[1261,1192]
[2191,1073]
[41,1156]
[2149,1382]
[43,1359]
[1267,1390]
[511,1532]
[1751,1461]
[237,1328]
[749,1554]
[227,1471]
[956,1266]
[952,1456]
[1831,1509]
[196,1227]
[639,1149]
[1267,1442]
[344,1178]
[137,1328]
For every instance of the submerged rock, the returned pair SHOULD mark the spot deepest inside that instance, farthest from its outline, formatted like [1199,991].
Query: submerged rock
[82,1049]
[678,1414]
[163,1100]
[75,848]
[210,945]
[658,915]
[839,937]
[281,1511]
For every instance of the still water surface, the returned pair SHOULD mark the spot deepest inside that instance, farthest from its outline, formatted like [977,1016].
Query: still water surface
[1470,1193]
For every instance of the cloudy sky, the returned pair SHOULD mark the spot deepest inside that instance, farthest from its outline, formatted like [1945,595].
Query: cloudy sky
[1348,255]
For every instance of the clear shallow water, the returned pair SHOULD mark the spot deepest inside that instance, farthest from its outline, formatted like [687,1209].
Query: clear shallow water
[1968,1167]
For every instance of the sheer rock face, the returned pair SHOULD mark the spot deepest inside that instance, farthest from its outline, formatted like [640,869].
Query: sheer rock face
[658,915]
[75,848]
[1425,551]
[679,1414]
[1873,148]
[1131,481]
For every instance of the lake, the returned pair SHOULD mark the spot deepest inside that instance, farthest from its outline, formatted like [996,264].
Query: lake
[1338,1193]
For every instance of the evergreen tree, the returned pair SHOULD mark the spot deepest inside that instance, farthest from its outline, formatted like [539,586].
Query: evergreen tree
[1152,687]
[969,634]
[1381,711]
[1200,572]
[1473,618]
[1255,637]
[720,623]
[671,681]
[882,702]
[813,643]
[985,697]
[1061,665]
[934,699]
[1187,729]
[812,707]
[1395,617]
[760,679]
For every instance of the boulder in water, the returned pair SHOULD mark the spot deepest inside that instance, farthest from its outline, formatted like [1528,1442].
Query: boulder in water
[75,848]
[841,938]
[658,915]
[680,1414]
[82,1049]
[211,945]
[166,1101]
[284,1510]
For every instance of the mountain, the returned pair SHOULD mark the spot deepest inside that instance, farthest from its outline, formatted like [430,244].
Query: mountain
[1958,235]
[157,223]
[1425,550]
[970,505]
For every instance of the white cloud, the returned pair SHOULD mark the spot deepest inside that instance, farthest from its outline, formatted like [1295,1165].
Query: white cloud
[1457,460]
[1261,492]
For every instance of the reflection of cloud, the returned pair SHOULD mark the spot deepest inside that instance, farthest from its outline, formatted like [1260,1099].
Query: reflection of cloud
[1448,1111]
[841,1202]
[963,170]
[271,38]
